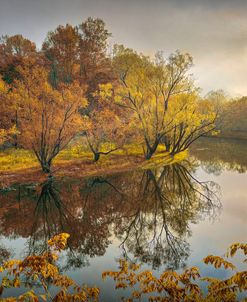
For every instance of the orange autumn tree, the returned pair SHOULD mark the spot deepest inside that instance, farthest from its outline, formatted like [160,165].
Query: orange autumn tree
[107,128]
[49,118]
[79,52]
[5,123]
[13,51]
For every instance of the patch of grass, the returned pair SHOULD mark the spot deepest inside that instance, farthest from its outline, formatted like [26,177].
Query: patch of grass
[162,159]
[20,159]
[73,152]
[17,159]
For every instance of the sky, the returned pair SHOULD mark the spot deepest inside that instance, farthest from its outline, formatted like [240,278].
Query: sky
[214,32]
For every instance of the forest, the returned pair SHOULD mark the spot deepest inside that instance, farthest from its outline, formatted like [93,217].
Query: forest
[76,91]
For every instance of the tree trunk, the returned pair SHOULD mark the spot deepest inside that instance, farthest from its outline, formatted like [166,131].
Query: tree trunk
[46,167]
[149,155]
[150,152]
[167,143]
[151,149]
[96,156]
[17,127]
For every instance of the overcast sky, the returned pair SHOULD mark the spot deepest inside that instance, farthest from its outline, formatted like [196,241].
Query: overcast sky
[213,31]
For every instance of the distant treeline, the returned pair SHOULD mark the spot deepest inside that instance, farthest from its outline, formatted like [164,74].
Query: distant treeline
[231,119]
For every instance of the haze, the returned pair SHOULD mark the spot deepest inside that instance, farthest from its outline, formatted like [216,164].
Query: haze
[213,31]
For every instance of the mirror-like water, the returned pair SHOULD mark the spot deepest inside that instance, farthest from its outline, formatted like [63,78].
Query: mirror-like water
[169,217]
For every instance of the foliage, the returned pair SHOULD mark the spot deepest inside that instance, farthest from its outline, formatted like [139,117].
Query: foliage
[13,51]
[169,286]
[42,270]
[172,286]
[5,135]
[7,127]
[234,116]
[48,118]
[190,118]
[79,53]
[161,98]
[231,114]
[108,130]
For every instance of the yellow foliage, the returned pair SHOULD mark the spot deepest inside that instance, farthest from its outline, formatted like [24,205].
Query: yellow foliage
[59,242]
[43,269]
[169,286]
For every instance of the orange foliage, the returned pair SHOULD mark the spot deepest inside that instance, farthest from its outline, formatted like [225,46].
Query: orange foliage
[48,118]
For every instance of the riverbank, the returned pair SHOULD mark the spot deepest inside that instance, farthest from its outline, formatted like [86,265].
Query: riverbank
[22,166]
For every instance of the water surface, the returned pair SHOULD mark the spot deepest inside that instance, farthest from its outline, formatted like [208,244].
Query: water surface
[168,217]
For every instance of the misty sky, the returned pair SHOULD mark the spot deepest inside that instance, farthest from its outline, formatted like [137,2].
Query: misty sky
[213,31]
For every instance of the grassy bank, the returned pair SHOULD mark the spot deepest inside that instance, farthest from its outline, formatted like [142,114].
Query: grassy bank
[18,165]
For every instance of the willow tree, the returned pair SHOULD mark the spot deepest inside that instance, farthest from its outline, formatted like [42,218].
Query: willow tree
[151,89]
[49,118]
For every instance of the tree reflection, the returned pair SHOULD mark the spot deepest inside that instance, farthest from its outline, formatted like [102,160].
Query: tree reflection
[149,211]
[63,210]
[157,225]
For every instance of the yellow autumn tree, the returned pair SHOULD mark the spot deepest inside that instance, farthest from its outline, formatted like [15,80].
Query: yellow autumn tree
[159,94]
[189,118]
[43,271]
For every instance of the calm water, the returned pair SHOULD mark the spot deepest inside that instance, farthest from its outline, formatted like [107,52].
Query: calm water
[169,217]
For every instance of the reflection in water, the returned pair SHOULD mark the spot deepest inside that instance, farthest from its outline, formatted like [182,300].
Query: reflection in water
[158,221]
[149,212]
[217,155]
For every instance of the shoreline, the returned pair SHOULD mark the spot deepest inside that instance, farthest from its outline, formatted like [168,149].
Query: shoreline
[81,168]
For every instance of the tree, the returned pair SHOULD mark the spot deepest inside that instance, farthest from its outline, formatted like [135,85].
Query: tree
[107,130]
[233,116]
[49,118]
[61,47]
[7,124]
[13,50]
[95,66]
[79,53]
[104,132]
[189,118]
[218,100]
[148,88]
